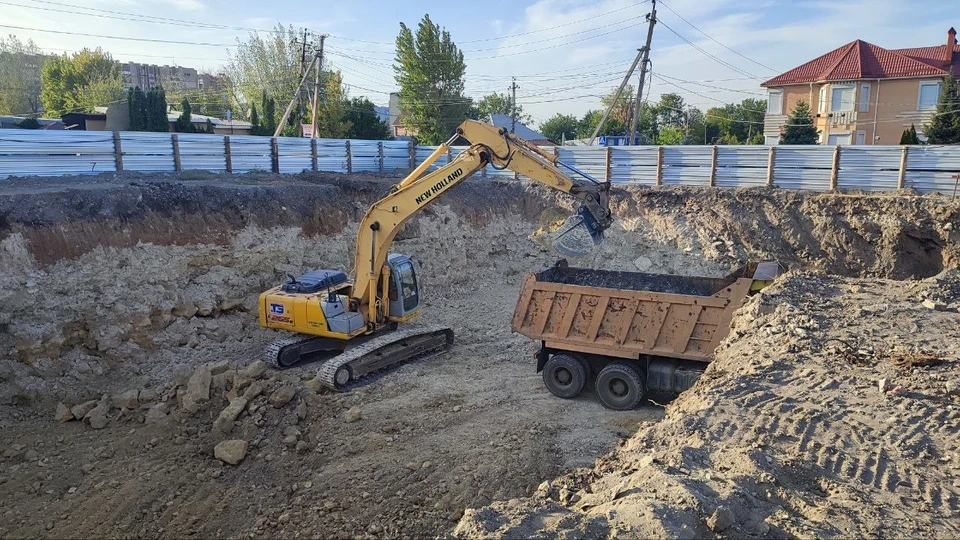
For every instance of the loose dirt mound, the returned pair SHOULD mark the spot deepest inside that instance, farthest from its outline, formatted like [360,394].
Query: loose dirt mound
[831,410]
[127,288]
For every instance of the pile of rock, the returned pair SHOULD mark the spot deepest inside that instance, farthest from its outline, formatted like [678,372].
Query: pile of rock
[95,412]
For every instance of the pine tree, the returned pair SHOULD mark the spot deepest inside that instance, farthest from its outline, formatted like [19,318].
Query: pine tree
[136,104]
[800,128]
[944,128]
[254,120]
[184,123]
[910,136]
[269,107]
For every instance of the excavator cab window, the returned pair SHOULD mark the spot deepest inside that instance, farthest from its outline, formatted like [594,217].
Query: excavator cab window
[408,286]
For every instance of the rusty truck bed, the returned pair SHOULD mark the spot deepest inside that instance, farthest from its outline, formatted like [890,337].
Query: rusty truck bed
[628,314]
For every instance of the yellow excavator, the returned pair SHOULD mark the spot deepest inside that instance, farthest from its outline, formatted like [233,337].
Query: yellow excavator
[363,319]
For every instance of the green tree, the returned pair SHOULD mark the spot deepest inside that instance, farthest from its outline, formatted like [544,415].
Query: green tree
[268,125]
[429,69]
[254,120]
[364,122]
[155,111]
[270,64]
[334,107]
[148,110]
[136,105]
[800,128]
[21,64]
[910,136]
[561,127]
[184,123]
[670,111]
[613,126]
[669,135]
[497,103]
[87,79]
[944,127]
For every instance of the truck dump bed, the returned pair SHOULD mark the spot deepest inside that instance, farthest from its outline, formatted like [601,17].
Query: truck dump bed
[628,314]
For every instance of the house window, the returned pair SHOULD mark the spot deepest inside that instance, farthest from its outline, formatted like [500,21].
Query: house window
[822,106]
[928,95]
[864,97]
[775,102]
[841,98]
[861,137]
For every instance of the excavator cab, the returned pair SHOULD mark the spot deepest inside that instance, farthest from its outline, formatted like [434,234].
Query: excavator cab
[403,291]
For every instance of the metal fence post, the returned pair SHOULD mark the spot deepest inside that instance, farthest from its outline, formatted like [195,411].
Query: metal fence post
[835,169]
[902,175]
[380,155]
[117,151]
[177,165]
[313,155]
[771,161]
[659,165]
[349,159]
[713,166]
[275,155]
[609,164]
[226,153]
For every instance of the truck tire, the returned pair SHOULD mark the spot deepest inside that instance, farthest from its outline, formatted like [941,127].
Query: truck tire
[620,387]
[564,375]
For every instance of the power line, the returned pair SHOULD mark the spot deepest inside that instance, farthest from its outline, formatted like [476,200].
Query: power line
[123,38]
[709,55]
[123,16]
[716,41]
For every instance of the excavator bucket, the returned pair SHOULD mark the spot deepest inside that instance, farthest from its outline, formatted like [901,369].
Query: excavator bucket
[578,235]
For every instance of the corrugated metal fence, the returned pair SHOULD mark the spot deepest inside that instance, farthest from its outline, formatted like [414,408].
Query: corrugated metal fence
[926,169]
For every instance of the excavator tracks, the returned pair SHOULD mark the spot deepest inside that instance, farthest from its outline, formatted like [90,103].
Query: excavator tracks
[346,370]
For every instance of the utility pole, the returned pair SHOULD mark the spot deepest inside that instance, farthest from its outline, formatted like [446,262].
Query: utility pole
[652,18]
[641,54]
[293,100]
[316,89]
[513,103]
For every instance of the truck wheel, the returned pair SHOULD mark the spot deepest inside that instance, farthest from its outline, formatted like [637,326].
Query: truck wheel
[564,375]
[620,387]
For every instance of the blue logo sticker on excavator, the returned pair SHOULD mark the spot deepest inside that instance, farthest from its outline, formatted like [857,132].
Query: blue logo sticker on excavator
[276,309]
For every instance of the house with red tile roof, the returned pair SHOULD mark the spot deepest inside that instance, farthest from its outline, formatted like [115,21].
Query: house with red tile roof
[861,93]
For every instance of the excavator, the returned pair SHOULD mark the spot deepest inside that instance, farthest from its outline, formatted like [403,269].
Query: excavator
[363,320]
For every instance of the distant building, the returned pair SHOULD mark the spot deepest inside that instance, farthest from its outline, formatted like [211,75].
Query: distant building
[85,121]
[861,93]
[212,83]
[28,80]
[520,130]
[13,122]
[147,76]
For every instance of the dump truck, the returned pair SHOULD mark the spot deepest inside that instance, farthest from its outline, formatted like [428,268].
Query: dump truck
[630,332]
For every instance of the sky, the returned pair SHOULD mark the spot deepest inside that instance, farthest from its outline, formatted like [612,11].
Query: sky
[564,54]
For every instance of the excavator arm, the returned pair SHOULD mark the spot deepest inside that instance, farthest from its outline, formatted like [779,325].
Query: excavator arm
[489,145]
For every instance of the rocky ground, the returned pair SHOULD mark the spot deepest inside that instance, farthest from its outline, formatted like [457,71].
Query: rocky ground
[128,302]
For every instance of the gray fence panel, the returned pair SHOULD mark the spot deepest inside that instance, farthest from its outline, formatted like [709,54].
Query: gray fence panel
[589,159]
[295,155]
[249,153]
[869,168]
[396,155]
[203,152]
[931,169]
[365,156]
[332,155]
[147,152]
[742,166]
[55,153]
[803,167]
[687,165]
[633,165]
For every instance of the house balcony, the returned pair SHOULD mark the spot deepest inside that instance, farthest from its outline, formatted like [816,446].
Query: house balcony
[839,118]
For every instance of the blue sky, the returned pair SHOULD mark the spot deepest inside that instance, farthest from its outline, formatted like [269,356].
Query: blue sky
[564,53]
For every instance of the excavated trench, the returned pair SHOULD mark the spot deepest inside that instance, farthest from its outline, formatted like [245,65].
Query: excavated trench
[129,282]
